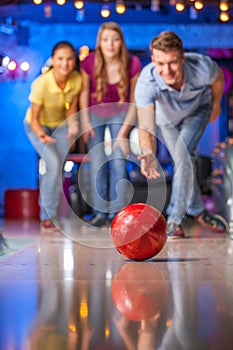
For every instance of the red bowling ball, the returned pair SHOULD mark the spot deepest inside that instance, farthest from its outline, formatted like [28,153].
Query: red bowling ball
[139,231]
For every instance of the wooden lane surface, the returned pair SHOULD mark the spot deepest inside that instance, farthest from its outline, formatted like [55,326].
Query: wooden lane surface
[62,293]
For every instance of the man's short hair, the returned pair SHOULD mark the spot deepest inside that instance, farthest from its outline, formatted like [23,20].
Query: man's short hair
[167,41]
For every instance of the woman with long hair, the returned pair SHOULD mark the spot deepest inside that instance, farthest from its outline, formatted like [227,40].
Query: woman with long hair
[107,100]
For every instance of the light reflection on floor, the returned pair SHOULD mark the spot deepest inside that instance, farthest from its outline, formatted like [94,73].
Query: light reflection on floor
[58,293]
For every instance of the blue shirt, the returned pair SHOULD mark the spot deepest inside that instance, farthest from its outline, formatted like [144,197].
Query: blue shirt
[173,106]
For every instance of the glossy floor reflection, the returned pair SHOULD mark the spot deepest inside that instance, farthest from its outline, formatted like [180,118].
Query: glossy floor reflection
[60,293]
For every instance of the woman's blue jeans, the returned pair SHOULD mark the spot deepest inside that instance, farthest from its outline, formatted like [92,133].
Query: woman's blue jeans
[108,173]
[54,156]
[181,141]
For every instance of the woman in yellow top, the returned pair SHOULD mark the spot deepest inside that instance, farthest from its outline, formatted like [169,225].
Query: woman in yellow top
[51,124]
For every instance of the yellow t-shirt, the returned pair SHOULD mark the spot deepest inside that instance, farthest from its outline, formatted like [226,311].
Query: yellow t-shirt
[53,100]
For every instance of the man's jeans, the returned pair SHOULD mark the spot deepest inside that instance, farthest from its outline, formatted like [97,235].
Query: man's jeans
[181,141]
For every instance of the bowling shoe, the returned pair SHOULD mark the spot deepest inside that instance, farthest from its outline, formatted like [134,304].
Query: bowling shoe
[175,231]
[97,221]
[213,222]
[47,226]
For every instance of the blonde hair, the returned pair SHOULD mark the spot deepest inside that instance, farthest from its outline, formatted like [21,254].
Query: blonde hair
[100,71]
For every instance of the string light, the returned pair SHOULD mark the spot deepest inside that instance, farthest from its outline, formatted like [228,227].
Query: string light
[179,6]
[5,61]
[12,69]
[61,2]
[120,7]
[12,65]
[223,5]
[79,4]
[198,5]
[224,17]
[37,2]
[105,11]
[25,66]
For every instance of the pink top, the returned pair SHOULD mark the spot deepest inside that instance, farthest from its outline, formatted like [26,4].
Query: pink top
[88,65]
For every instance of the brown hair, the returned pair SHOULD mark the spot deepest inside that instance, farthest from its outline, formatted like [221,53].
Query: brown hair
[61,45]
[100,71]
[167,41]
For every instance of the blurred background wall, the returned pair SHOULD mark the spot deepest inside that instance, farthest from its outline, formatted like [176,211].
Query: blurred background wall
[33,41]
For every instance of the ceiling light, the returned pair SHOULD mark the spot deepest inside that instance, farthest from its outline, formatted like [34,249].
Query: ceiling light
[105,11]
[120,7]
[224,17]
[61,2]
[179,6]
[223,5]
[198,5]
[79,4]
[37,2]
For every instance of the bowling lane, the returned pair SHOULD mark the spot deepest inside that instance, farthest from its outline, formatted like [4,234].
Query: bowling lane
[58,293]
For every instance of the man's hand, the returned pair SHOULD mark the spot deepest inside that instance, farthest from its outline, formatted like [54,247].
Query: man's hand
[149,166]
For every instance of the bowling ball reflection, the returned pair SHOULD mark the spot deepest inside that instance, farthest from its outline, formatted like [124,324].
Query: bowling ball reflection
[139,231]
[139,291]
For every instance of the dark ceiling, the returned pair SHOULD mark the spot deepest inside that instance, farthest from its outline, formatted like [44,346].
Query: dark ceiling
[21,10]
